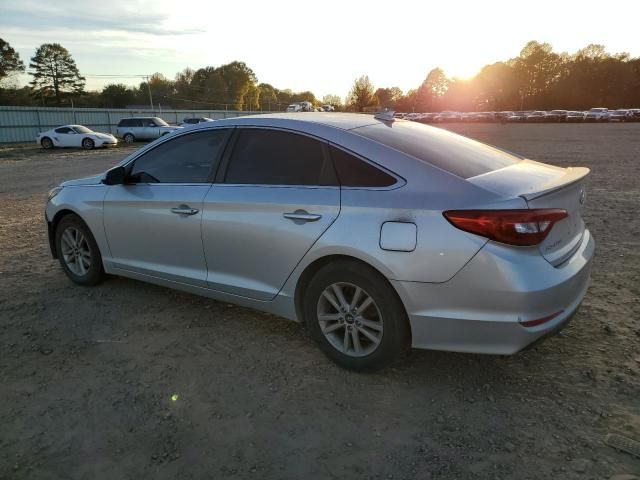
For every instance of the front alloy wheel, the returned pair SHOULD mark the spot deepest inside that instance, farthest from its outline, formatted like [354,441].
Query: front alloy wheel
[78,251]
[75,251]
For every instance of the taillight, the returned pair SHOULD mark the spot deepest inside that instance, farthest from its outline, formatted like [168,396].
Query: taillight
[514,227]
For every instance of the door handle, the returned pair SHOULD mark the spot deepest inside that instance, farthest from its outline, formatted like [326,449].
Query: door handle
[302,215]
[184,210]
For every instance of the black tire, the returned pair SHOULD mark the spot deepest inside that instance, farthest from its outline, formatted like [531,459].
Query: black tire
[88,144]
[396,335]
[46,143]
[95,271]
[129,138]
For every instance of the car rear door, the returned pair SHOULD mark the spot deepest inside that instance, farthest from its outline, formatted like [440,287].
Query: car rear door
[153,223]
[274,197]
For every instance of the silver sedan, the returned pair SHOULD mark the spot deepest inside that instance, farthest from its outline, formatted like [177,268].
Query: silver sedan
[379,235]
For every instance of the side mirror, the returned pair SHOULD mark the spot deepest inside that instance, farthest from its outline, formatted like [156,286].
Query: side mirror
[115,176]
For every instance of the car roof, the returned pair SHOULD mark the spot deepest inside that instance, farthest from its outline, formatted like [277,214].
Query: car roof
[343,121]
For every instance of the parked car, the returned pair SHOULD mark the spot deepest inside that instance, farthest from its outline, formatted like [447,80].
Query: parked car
[75,136]
[300,107]
[195,120]
[557,116]
[143,128]
[448,117]
[597,115]
[328,108]
[634,115]
[516,117]
[575,117]
[484,117]
[377,236]
[537,116]
[620,115]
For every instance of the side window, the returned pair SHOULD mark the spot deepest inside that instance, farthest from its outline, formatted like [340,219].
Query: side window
[273,157]
[185,159]
[149,123]
[136,123]
[63,130]
[354,172]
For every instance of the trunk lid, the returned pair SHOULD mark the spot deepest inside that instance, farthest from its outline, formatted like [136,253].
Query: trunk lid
[545,186]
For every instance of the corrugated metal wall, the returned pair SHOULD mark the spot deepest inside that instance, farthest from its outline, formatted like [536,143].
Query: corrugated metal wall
[22,124]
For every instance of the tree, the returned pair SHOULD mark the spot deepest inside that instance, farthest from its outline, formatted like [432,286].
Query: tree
[333,100]
[55,73]
[432,89]
[117,95]
[9,60]
[362,94]
[388,97]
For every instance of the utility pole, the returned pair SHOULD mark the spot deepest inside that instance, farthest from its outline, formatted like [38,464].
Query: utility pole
[150,97]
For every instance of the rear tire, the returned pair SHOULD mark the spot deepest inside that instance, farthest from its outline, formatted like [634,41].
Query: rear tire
[88,144]
[129,138]
[46,143]
[78,251]
[365,330]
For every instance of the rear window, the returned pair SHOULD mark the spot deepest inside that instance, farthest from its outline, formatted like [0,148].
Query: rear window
[453,153]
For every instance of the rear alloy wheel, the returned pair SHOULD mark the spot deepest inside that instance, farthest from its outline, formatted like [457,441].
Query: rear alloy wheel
[78,251]
[129,138]
[355,316]
[46,143]
[88,144]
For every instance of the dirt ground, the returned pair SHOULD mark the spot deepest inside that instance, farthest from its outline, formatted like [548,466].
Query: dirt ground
[131,381]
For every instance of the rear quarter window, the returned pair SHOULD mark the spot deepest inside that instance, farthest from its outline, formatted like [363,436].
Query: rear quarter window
[453,153]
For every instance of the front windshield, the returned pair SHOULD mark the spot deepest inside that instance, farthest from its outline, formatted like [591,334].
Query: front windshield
[82,129]
[160,122]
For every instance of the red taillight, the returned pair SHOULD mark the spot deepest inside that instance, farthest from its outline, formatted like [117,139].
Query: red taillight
[515,227]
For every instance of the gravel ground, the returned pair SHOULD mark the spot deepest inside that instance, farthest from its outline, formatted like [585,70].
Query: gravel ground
[128,380]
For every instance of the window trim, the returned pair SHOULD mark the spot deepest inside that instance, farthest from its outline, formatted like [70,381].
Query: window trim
[223,168]
[210,177]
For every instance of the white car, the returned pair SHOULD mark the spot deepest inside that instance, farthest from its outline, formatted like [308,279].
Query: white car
[75,136]
[599,114]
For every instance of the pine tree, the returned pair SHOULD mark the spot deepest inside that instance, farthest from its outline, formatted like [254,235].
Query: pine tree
[55,72]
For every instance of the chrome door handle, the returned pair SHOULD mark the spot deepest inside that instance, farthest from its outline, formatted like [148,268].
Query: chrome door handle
[184,210]
[302,215]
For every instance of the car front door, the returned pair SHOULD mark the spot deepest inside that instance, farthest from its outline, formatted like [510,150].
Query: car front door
[275,196]
[64,137]
[151,130]
[153,222]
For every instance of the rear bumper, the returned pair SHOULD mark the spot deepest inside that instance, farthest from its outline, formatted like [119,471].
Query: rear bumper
[480,308]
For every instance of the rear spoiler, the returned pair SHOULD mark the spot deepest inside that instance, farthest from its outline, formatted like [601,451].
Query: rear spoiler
[572,175]
[528,179]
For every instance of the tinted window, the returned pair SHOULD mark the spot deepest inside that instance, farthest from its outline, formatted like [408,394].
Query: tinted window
[454,153]
[272,157]
[185,159]
[353,172]
[63,130]
[125,123]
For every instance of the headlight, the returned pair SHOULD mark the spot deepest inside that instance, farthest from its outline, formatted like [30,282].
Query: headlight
[53,192]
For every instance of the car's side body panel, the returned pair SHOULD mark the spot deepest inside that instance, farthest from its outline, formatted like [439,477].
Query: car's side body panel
[250,246]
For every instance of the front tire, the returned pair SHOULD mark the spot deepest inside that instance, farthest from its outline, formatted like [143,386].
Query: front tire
[46,143]
[88,144]
[129,138]
[355,316]
[78,251]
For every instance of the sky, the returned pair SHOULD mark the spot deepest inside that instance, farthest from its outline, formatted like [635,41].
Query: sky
[321,46]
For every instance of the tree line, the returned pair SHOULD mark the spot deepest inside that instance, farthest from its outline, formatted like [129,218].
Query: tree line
[537,79]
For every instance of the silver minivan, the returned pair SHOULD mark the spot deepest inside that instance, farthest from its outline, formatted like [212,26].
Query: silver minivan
[143,128]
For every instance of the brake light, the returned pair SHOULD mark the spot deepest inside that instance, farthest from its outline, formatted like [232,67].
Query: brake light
[514,227]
